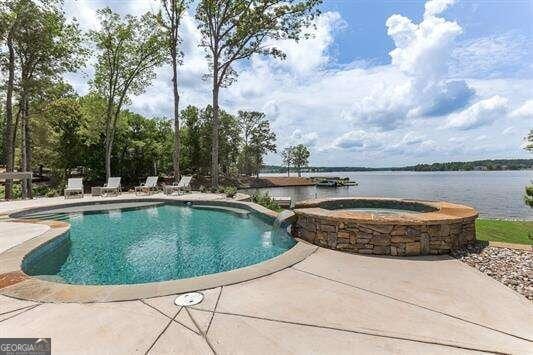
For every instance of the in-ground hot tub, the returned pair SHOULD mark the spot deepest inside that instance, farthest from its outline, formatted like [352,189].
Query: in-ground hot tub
[385,226]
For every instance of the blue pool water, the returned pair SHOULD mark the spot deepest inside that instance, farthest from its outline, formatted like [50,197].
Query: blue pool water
[155,244]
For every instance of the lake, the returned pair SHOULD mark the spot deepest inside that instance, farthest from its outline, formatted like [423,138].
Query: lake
[495,194]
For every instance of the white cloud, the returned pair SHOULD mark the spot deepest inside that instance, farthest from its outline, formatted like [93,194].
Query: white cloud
[387,113]
[524,111]
[481,113]
[492,56]
[298,137]
[435,7]
[310,54]
[508,130]
[359,140]
[415,84]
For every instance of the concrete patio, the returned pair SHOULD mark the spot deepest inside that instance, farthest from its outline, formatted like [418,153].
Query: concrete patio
[330,303]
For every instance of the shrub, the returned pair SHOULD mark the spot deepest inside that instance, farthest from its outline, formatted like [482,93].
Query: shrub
[230,191]
[264,199]
[202,189]
[528,198]
[38,191]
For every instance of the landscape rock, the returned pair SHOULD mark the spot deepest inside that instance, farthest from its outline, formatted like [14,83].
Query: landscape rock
[511,267]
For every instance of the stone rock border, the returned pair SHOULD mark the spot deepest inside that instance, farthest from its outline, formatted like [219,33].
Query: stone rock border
[439,228]
[15,283]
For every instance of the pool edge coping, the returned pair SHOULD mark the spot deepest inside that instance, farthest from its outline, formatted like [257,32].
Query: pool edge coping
[34,289]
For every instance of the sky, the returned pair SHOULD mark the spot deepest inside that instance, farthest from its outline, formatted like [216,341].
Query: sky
[380,82]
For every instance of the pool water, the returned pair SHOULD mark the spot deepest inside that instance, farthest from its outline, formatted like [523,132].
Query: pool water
[386,211]
[152,244]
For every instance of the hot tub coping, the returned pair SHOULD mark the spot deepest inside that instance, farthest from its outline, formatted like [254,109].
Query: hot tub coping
[446,212]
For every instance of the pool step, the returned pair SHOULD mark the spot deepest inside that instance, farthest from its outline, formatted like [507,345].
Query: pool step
[239,212]
[47,216]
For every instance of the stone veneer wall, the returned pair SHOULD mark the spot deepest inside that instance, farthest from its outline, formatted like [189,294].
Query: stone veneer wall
[385,239]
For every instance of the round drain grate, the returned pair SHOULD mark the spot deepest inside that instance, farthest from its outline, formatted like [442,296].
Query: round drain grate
[189,299]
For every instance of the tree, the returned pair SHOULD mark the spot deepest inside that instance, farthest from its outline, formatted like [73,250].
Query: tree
[58,138]
[300,156]
[170,21]
[236,29]
[9,24]
[529,141]
[42,45]
[192,137]
[287,157]
[258,140]
[130,50]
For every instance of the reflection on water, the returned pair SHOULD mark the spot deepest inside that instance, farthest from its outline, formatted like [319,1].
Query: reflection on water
[495,194]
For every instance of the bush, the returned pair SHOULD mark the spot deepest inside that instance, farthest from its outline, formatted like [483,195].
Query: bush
[264,199]
[230,191]
[38,191]
[528,198]
[202,189]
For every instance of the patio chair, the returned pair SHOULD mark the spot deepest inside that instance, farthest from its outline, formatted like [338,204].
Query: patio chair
[183,185]
[74,186]
[149,186]
[112,186]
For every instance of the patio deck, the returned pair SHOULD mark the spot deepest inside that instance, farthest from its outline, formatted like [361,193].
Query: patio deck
[330,303]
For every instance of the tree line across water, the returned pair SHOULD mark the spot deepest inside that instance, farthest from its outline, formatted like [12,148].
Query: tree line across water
[44,122]
[488,164]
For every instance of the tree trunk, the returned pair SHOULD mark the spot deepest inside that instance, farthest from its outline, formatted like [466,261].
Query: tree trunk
[288,171]
[14,133]
[108,158]
[23,150]
[26,145]
[8,126]
[176,155]
[216,123]
[299,172]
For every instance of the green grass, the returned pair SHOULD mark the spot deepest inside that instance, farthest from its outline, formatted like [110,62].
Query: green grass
[519,232]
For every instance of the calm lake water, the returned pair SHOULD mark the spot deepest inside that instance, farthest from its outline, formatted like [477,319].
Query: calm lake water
[495,194]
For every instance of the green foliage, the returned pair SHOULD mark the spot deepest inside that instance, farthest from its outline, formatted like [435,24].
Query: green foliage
[230,191]
[17,191]
[528,198]
[520,232]
[529,141]
[130,49]
[296,155]
[235,30]
[38,191]
[197,135]
[264,199]
[257,139]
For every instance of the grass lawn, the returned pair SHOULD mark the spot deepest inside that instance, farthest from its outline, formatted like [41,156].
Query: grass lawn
[520,232]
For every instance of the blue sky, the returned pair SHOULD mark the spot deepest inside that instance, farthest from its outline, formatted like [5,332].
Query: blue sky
[380,83]
[366,36]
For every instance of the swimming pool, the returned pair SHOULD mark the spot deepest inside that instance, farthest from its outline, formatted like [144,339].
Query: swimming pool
[154,243]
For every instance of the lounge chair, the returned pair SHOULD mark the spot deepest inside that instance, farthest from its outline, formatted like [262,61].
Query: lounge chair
[149,186]
[74,186]
[112,186]
[183,185]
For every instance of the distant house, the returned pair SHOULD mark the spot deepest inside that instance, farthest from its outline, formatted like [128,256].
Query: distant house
[480,167]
